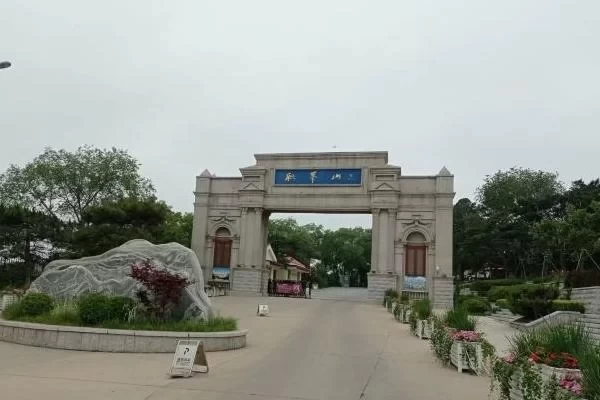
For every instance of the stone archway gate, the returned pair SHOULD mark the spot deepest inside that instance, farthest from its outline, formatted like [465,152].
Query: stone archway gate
[335,182]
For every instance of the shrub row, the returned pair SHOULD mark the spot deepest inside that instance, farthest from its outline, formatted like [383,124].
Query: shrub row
[568,305]
[91,309]
[533,301]
[96,308]
[484,286]
[475,304]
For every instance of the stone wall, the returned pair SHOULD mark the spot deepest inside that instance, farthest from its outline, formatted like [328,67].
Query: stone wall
[442,290]
[556,318]
[246,280]
[113,340]
[379,283]
[589,296]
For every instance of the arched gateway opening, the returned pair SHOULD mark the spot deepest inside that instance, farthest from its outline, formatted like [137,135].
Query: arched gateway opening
[411,218]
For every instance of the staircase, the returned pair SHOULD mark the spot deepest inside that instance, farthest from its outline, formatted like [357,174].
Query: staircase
[505,315]
[592,323]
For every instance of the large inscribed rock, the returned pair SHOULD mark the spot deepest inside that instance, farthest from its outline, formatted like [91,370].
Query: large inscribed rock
[108,273]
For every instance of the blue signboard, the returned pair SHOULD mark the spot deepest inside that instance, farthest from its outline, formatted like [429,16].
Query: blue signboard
[315,177]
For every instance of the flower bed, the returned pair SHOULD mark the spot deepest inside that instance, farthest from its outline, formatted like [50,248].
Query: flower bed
[530,381]
[467,350]
[467,356]
[550,363]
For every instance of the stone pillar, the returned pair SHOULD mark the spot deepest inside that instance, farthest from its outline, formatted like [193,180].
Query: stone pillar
[199,232]
[208,258]
[442,279]
[382,256]
[258,237]
[235,252]
[244,238]
[375,240]
[382,253]
[391,239]
[200,221]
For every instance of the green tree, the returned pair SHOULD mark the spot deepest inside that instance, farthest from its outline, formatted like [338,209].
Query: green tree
[472,247]
[65,184]
[28,236]
[113,223]
[178,228]
[520,193]
[347,251]
[302,242]
[512,202]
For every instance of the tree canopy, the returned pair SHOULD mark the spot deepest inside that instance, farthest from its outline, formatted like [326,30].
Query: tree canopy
[345,251]
[526,222]
[65,184]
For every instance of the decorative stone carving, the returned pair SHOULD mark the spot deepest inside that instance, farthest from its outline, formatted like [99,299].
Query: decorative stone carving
[108,273]
[223,218]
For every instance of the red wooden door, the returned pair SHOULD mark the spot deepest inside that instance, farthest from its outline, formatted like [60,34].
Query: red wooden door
[415,261]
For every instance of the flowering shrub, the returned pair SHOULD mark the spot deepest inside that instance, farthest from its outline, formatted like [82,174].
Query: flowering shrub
[466,336]
[510,358]
[557,360]
[572,385]
[163,288]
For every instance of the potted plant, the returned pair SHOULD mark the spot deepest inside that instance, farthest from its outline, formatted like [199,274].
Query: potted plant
[552,362]
[421,310]
[389,297]
[466,352]
[401,308]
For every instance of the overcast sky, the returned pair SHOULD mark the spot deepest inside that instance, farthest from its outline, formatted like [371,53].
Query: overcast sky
[477,85]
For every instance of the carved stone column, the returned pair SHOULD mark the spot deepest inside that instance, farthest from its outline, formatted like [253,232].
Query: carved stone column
[375,239]
[244,239]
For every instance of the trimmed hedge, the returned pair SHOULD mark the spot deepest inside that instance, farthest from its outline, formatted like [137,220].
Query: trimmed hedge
[533,301]
[503,303]
[476,305]
[503,292]
[484,286]
[34,304]
[568,305]
[96,308]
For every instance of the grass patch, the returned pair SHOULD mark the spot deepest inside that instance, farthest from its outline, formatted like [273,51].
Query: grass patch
[573,339]
[68,313]
[216,324]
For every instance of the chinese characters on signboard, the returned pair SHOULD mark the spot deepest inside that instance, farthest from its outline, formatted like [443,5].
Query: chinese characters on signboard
[344,176]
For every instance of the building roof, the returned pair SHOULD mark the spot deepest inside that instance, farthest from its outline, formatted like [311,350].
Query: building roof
[292,262]
[270,254]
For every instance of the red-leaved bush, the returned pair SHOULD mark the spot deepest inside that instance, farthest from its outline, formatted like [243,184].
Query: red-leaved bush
[163,289]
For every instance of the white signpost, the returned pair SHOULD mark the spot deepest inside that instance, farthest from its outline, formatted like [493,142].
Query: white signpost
[263,310]
[187,357]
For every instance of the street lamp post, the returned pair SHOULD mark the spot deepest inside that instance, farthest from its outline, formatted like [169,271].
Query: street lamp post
[4,64]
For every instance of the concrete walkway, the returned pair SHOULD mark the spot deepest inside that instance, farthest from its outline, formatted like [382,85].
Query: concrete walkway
[306,349]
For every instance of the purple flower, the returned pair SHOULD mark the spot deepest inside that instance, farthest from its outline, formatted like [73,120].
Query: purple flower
[510,358]
[571,384]
[466,336]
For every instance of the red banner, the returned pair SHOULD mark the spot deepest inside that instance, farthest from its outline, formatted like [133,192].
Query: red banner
[294,288]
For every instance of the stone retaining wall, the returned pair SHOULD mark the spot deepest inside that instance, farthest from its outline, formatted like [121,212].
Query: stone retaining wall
[556,318]
[113,340]
[379,283]
[443,293]
[589,296]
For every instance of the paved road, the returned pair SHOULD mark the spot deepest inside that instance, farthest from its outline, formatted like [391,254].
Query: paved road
[306,350]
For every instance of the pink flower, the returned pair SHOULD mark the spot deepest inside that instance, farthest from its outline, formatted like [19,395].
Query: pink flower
[466,336]
[571,384]
[510,358]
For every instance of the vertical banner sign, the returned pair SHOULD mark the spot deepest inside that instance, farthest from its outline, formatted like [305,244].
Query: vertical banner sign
[185,358]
